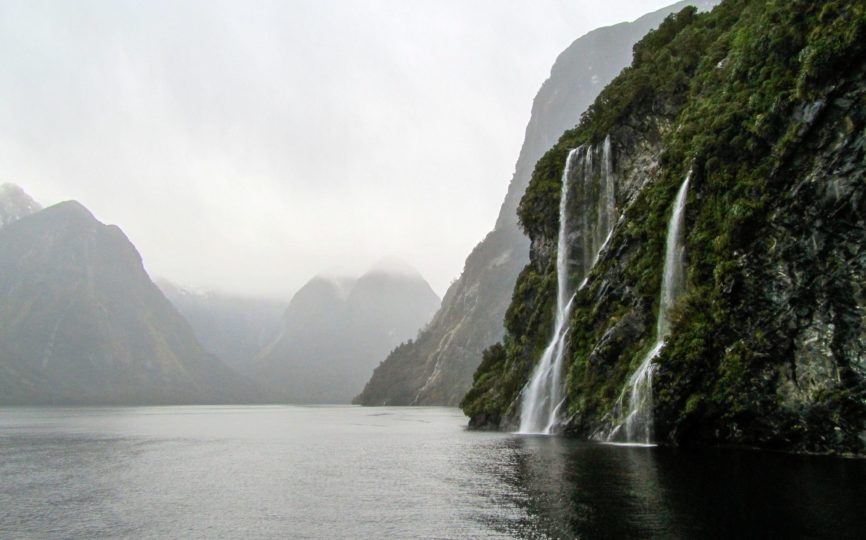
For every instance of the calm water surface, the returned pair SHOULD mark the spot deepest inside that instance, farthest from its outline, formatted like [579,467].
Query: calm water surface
[351,472]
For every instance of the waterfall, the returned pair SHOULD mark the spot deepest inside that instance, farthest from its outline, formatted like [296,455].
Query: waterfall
[543,396]
[673,281]
[587,230]
[607,219]
[638,424]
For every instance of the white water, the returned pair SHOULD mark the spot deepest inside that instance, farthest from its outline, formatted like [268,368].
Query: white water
[607,204]
[637,425]
[599,216]
[543,395]
[587,230]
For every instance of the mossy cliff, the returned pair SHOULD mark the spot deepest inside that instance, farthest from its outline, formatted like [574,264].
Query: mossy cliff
[764,103]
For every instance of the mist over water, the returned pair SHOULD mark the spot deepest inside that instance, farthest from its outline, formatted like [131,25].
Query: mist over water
[350,472]
[219,135]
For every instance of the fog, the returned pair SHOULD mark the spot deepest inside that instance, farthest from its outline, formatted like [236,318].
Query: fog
[246,146]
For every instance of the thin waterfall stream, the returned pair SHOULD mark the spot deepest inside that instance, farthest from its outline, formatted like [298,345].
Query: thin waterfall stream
[637,426]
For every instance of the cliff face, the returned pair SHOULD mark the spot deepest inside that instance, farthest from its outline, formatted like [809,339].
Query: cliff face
[763,104]
[81,322]
[436,369]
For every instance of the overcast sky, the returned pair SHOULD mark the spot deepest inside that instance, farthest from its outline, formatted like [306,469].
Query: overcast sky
[247,146]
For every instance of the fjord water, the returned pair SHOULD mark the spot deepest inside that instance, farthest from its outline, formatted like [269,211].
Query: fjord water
[351,472]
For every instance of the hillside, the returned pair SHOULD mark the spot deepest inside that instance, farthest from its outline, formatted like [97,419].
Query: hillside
[82,323]
[758,109]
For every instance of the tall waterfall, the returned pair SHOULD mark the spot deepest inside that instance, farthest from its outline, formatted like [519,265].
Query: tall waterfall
[595,197]
[638,424]
[607,201]
[541,396]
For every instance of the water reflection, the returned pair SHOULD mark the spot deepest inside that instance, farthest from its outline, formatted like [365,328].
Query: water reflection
[573,489]
[346,472]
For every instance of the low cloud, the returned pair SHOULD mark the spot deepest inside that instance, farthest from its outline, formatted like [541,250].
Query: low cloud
[248,146]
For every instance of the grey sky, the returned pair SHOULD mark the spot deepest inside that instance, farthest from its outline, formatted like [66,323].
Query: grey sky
[246,146]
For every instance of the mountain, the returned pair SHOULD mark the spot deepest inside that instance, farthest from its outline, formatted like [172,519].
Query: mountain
[233,328]
[335,331]
[15,204]
[727,305]
[82,323]
[437,368]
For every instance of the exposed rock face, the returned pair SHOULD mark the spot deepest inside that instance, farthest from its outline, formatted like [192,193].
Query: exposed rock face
[768,344]
[232,328]
[437,368]
[82,323]
[801,285]
[335,331]
[15,204]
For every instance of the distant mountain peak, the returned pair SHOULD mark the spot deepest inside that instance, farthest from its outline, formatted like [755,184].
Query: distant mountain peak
[72,207]
[336,330]
[72,216]
[15,204]
[340,285]
[81,322]
[9,187]
[395,267]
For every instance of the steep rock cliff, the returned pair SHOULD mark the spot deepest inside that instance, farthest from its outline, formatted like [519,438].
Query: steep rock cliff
[763,103]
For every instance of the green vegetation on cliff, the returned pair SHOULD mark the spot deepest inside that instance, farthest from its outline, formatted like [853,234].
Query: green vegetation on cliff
[763,102]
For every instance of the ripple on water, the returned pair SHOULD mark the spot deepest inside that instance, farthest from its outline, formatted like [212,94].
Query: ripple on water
[342,472]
